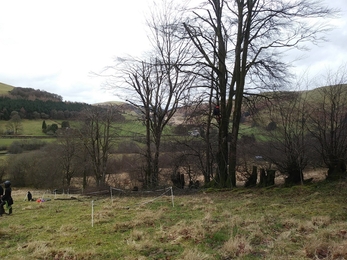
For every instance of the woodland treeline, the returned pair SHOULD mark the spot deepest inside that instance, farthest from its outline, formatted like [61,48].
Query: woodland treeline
[39,109]
[33,94]
[284,134]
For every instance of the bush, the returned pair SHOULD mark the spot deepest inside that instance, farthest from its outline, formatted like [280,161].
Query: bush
[65,124]
[128,147]
[271,126]
[51,129]
[26,145]
[34,169]
[3,148]
[180,130]
[15,148]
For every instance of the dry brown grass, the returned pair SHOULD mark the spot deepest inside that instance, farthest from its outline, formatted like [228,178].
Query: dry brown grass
[302,222]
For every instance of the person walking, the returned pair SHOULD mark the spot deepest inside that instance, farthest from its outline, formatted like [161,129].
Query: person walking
[7,197]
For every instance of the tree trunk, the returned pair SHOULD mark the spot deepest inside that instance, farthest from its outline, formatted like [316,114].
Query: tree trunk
[148,169]
[208,161]
[336,169]
[262,181]
[155,174]
[222,156]
[295,176]
[267,178]
[270,180]
[252,179]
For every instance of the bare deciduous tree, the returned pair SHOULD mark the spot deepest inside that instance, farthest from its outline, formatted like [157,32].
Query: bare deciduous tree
[328,122]
[288,144]
[159,84]
[67,154]
[14,125]
[97,135]
[247,37]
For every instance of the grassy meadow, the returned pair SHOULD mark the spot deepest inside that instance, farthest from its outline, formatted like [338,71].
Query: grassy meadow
[29,128]
[131,128]
[301,222]
[34,127]
[4,89]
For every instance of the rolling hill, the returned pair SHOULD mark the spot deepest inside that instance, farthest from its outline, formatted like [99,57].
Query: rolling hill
[5,89]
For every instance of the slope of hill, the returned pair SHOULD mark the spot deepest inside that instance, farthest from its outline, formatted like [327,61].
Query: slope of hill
[35,104]
[12,92]
[5,89]
[27,93]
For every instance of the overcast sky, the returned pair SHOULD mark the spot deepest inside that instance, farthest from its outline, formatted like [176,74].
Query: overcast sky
[54,45]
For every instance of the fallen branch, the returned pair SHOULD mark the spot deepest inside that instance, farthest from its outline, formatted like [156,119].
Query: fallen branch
[71,198]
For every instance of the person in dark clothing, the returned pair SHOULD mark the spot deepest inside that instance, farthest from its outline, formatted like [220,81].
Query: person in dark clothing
[7,197]
[216,113]
[2,211]
[29,196]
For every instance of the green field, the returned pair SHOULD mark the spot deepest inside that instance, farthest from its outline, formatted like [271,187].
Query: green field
[4,89]
[130,128]
[29,128]
[301,222]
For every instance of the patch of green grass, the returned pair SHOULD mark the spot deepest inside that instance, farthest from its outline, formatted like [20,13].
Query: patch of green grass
[259,132]
[6,142]
[29,127]
[4,89]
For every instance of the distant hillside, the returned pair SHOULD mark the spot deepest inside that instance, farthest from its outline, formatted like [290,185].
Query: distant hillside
[5,89]
[36,104]
[41,104]
[28,93]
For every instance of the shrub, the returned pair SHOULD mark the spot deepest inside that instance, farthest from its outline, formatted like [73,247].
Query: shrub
[271,126]
[128,147]
[26,145]
[180,130]
[34,169]
[15,148]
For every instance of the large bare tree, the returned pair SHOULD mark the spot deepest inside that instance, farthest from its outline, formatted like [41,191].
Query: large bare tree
[247,38]
[288,143]
[98,136]
[159,83]
[14,125]
[327,122]
[67,154]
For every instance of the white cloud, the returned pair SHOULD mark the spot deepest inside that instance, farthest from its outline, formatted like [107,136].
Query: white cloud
[329,55]
[54,45]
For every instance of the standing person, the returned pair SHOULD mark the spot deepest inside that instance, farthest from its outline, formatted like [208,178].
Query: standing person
[29,196]
[7,198]
[2,211]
